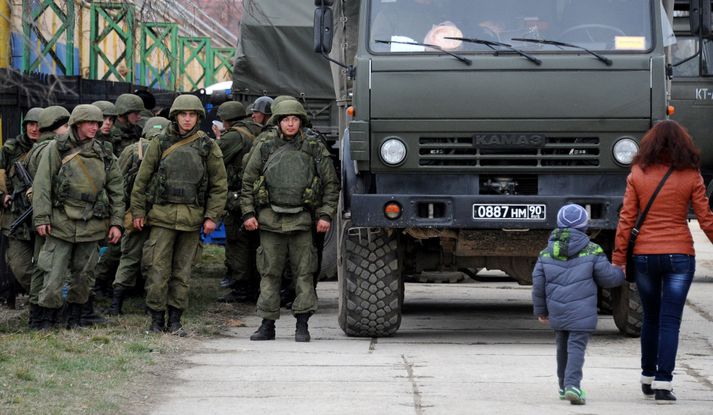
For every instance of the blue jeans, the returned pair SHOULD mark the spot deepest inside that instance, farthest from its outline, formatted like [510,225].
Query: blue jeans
[663,282]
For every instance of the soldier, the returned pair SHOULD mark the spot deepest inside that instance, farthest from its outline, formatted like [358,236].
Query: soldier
[77,198]
[109,112]
[289,186]
[52,123]
[261,112]
[181,186]
[133,241]
[126,129]
[12,191]
[240,246]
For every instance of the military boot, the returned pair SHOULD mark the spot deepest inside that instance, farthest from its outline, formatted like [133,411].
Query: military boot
[89,317]
[158,323]
[35,317]
[266,331]
[302,332]
[174,322]
[117,301]
[74,315]
[48,318]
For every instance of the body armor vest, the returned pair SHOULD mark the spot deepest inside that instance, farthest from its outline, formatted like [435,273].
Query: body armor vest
[181,176]
[80,184]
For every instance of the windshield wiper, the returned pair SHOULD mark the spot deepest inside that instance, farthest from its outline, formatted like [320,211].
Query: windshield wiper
[604,59]
[428,45]
[491,45]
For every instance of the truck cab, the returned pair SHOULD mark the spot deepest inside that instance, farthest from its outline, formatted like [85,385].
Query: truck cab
[472,123]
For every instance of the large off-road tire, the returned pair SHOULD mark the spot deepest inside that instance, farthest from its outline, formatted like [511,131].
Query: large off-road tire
[370,285]
[604,301]
[627,310]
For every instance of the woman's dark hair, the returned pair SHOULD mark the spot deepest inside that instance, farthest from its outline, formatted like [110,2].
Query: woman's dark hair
[668,143]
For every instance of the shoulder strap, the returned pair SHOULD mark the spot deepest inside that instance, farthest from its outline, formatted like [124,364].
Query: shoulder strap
[244,132]
[140,149]
[176,146]
[635,230]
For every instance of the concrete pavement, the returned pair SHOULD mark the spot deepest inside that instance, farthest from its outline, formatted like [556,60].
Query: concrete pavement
[462,349]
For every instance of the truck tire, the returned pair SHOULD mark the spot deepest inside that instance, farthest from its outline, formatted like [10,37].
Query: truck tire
[627,310]
[604,301]
[328,271]
[370,285]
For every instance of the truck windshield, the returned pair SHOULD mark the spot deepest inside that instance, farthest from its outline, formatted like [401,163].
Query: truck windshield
[599,25]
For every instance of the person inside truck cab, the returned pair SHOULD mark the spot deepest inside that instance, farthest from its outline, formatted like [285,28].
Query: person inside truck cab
[404,21]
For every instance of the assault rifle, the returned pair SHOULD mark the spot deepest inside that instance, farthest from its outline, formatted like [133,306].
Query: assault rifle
[26,184]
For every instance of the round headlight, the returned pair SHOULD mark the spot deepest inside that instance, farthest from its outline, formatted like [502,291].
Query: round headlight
[393,151]
[625,150]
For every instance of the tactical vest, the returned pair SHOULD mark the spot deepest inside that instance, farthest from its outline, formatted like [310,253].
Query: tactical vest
[79,186]
[290,178]
[181,175]
[133,170]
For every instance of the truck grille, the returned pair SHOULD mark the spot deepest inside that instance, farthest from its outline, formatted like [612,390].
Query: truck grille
[461,152]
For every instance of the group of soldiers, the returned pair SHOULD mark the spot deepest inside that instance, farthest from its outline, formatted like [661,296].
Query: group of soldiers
[148,186]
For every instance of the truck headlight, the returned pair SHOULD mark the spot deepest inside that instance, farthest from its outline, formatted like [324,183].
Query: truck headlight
[625,150]
[393,151]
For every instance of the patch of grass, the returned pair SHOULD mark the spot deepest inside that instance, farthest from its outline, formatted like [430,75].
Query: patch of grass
[105,369]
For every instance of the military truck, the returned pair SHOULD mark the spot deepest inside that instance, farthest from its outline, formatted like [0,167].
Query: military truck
[692,84]
[471,122]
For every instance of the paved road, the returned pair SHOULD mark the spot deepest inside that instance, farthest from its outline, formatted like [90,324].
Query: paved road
[462,349]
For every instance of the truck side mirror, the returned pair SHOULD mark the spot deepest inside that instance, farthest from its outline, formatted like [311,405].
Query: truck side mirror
[323,29]
[699,14]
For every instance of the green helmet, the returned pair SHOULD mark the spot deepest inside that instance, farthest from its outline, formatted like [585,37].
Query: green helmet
[289,107]
[51,116]
[108,109]
[127,103]
[231,110]
[283,98]
[154,126]
[186,102]
[33,115]
[86,113]
[263,104]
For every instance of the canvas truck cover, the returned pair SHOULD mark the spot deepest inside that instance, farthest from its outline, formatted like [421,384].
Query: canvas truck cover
[275,52]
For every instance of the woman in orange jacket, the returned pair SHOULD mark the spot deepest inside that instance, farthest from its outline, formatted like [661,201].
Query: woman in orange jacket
[663,253]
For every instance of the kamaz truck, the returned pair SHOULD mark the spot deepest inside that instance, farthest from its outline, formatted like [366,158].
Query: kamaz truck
[469,123]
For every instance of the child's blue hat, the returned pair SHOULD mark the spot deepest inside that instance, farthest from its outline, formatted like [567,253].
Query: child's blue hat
[572,216]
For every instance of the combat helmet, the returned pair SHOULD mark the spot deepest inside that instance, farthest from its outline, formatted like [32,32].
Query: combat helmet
[127,103]
[154,126]
[33,115]
[108,109]
[231,110]
[186,102]
[289,107]
[52,117]
[283,98]
[262,104]
[85,113]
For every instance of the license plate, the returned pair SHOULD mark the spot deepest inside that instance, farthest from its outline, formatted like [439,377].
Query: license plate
[509,212]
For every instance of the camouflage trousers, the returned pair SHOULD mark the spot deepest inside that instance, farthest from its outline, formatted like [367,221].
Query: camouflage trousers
[38,277]
[54,260]
[19,258]
[107,265]
[168,257]
[132,245]
[275,250]
[240,250]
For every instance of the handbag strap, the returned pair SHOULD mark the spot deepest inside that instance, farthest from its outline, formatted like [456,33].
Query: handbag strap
[635,230]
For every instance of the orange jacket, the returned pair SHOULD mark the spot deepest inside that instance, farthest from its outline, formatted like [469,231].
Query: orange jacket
[665,229]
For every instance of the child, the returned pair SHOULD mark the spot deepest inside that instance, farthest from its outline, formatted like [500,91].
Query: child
[564,292]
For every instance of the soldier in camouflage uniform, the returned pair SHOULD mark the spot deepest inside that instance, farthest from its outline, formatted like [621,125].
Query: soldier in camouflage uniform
[52,123]
[77,201]
[14,200]
[240,246]
[126,128]
[289,186]
[261,110]
[133,241]
[181,186]
[109,112]
[125,132]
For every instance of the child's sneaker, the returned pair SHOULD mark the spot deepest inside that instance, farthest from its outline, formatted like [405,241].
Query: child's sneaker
[562,394]
[575,396]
